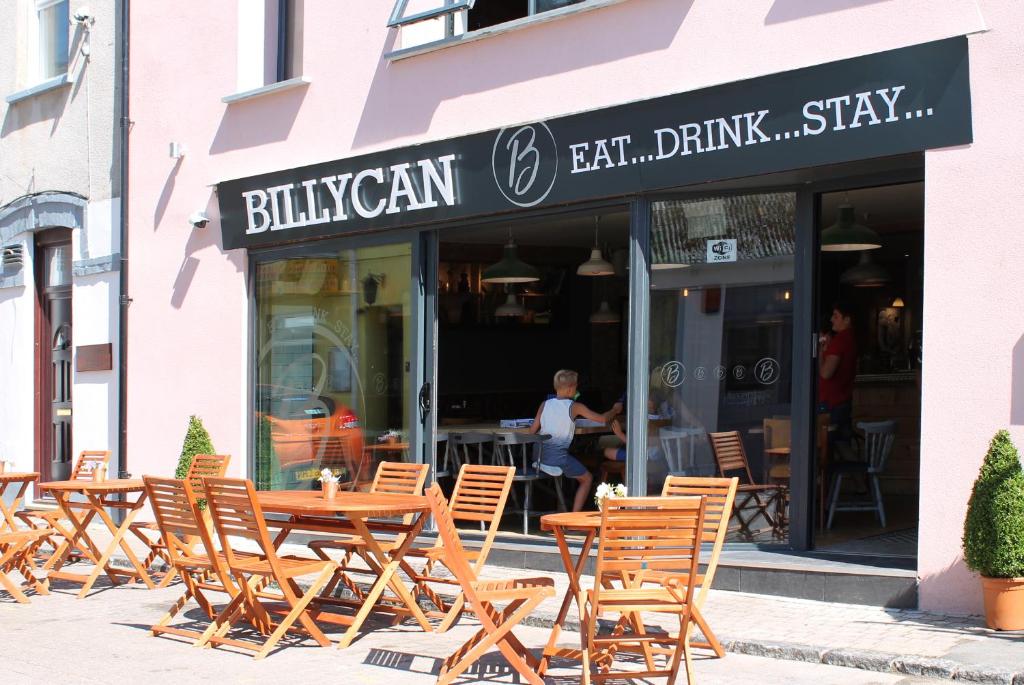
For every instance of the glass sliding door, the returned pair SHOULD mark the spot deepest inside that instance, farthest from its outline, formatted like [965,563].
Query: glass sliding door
[721,345]
[334,363]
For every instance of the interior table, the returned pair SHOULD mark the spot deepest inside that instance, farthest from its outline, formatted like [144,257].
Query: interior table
[18,482]
[583,427]
[361,513]
[99,496]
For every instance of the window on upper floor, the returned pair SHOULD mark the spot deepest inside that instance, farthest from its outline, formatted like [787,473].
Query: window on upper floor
[270,42]
[428,22]
[52,28]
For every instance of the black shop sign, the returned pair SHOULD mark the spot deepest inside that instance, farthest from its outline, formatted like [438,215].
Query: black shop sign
[889,103]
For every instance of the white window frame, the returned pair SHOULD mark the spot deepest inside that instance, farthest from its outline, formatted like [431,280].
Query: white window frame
[35,42]
[455,14]
[259,59]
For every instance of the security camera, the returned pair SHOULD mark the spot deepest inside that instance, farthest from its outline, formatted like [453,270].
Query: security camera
[83,16]
[198,219]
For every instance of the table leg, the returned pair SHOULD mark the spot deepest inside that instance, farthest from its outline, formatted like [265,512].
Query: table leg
[574,571]
[118,532]
[8,521]
[387,564]
[79,535]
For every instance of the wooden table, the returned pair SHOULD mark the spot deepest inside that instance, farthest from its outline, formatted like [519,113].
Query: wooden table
[588,523]
[10,480]
[350,512]
[99,496]
[583,427]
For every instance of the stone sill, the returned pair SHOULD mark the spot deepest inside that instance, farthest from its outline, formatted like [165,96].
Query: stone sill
[44,87]
[277,87]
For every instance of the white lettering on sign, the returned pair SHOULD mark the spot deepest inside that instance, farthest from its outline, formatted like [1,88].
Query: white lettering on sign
[366,193]
[834,114]
[723,250]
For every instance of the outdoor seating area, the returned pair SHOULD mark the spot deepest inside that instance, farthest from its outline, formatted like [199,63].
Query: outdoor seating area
[363,562]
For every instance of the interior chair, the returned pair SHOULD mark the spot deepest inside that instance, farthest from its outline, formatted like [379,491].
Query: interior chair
[180,523]
[879,437]
[15,555]
[479,496]
[465,443]
[518,450]
[448,461]
[719,495]
[54,521]
[821,443]
[520,596]
[647,562]
[396,478]
[680,448]
[202,466]
[753,500]
[236,513]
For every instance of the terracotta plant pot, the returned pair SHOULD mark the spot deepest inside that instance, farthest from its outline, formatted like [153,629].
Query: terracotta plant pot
[1004,602]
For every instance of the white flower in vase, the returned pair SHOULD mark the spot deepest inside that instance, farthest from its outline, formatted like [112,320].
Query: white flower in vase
[327,477]
[606,490]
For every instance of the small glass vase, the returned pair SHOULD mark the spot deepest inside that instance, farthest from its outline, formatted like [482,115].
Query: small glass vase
[99,474]
[330,489]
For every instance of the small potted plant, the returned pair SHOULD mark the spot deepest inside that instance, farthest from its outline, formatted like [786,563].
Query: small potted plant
[994,534]
[329,483]
[606,491]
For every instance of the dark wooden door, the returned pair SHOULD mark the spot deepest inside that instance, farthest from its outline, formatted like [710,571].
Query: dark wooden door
[53,355]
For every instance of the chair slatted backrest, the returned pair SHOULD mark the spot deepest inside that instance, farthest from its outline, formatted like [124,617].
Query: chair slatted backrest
[206,466]
[176,517]
[879,437]
[455,554]
[236,513]
[718,494]
[480,494]
[400,478]
[648,536]
[729,454]
[87,462]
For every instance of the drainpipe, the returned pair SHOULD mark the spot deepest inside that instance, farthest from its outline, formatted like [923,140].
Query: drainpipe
[124,301]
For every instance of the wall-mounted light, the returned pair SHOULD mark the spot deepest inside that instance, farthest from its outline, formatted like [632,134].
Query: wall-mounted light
[198,219]
[786,295]
[686,292]
[176,150]
[370,285]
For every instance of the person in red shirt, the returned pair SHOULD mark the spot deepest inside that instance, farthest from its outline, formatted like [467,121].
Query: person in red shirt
[837,368]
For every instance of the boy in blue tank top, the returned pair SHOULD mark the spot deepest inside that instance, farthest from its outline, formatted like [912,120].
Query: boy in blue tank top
[557,417]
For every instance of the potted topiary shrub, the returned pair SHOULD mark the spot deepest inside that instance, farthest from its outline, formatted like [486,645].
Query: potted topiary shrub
[994,534]
[197,441]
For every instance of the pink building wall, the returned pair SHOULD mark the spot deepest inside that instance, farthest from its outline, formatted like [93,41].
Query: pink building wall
[188,323]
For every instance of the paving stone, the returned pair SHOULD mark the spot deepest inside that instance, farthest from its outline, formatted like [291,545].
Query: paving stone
[864,659]
[925,666]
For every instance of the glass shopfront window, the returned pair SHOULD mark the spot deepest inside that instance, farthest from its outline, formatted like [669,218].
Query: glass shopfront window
[721,347]
[334,345]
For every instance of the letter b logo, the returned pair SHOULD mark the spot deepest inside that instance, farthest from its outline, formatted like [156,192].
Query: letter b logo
[525,163]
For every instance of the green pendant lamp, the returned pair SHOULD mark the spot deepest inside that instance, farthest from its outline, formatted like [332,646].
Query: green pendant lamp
[510,269]
[846,235]
[865,273]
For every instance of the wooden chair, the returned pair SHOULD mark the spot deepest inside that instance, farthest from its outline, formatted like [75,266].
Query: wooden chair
[202,466]
[59,528]
[479,496]
[644,540]
[753,500]
[879,437]
[392,477]
[777,448]
[522,596]
[236,513]
[180,523]
[719,495]
[15,555]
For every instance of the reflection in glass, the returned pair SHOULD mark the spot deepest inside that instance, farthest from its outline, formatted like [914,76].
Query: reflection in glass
[333,346]
[721,336]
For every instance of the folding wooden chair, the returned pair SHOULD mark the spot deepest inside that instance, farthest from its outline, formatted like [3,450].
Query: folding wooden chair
[236,513]
[643,540]
[753,500]
[60,528]
[522,595]
[15,555]
[480,494]
[719,495]
[392,477]
[202,466]
[180,524]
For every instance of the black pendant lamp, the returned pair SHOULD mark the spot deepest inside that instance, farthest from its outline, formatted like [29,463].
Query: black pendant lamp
[846,235]
[510,269]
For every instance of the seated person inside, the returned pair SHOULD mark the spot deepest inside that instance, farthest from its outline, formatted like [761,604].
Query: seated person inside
[557,417]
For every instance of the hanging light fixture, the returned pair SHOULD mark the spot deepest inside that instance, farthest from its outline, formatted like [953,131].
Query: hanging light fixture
[604,314]
[596,265]
[846,235]
[897,302]
[510,269]
[511,306]
[865,273]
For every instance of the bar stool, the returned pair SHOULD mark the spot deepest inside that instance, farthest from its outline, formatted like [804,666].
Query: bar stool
[510,445]
[879,437]
[461,443]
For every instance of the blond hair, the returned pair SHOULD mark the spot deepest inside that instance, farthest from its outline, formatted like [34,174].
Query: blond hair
[566,379]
